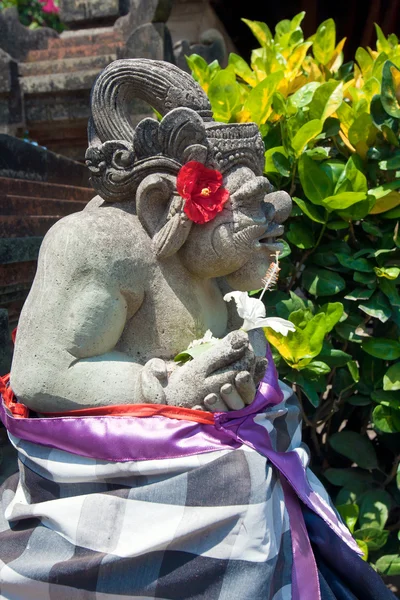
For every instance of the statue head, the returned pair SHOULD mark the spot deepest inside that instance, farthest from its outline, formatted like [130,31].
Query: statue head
[146,166]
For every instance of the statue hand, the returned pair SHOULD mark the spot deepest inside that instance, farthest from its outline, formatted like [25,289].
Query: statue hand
[222,378]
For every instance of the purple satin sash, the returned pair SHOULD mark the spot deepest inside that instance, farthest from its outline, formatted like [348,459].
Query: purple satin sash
[146,438]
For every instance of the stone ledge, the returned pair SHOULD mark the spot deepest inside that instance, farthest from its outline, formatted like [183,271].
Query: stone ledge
[65,65]
[74,51]
[60,82]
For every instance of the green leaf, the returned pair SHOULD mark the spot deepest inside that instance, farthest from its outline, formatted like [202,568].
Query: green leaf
[356,264]
[299,347]
[384,189]
[389,91]
[315,182]
[354,371]
[388,272]
[355,447]
[352,492]
[193,352]
[258,102]
[302,97]
[391,379]
[358,400]
[386,419]
[349,514]
[382,348]
[389,564]
[324,41]
[352,179]
[391,399]
[364,548]
[300,235]
[350,328]
[345,476]
[363,130]
[342,200]
[326,100]
[224,94]
[382,45]
[320,282]
[312,211]
[337,225]
[333,312]
[364,60]
[371,228]
[318,367]
[281,163]
[242,69]
[366,278]
[391,163]
[270,163]
[359,294]
[377,307]
[305,134]
[334,357]
[374,509]
[261,32]
[199,68]
[373,537]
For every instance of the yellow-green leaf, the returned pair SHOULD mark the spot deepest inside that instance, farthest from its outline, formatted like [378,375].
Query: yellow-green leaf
[326,100]
[261,31]
[242,69]
[324,41]
[305,134]
[258,102]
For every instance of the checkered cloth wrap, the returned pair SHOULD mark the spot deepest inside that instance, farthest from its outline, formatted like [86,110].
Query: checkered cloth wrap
[210,526]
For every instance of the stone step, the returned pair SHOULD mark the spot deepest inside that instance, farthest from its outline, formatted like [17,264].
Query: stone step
[73,51]
[77,33]
[28,205]
[40,189]
[65,65]
[60,82]
[15,226]
[106,37]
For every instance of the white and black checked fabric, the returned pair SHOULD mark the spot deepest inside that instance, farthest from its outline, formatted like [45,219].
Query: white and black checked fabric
[212,526]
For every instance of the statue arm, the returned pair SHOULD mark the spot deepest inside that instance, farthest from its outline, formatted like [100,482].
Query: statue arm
[65,356]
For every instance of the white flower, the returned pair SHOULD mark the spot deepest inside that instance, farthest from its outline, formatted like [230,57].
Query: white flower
[208,338]
[253,313]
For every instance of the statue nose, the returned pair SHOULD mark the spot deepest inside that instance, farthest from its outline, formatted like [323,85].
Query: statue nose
[277,206]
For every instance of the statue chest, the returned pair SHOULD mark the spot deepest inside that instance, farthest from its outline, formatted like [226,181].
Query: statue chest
[173,313]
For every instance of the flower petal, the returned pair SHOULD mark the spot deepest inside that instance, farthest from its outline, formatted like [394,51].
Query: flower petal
[280,325]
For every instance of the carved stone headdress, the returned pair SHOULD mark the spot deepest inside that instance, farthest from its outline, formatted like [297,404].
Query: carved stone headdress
[120,156]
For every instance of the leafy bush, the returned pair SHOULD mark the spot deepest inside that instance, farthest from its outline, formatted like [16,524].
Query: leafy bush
[331,132]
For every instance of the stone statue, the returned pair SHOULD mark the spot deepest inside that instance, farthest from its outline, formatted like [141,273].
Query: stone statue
[129,282]
[149,498]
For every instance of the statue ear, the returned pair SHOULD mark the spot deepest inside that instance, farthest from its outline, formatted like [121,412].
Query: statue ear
[160,211]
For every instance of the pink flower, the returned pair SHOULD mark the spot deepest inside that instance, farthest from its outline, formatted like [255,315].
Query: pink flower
[49,6]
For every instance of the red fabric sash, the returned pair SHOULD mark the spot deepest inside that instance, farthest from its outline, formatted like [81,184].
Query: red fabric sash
[20,411]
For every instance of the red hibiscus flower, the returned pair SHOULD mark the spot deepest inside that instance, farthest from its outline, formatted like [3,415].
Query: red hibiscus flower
[202,189]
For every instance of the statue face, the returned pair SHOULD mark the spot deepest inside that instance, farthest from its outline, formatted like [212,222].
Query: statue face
[241,242]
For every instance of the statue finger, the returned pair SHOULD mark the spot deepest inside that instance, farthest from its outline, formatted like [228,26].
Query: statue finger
[231,397]
[259,370]
[230,349]
[213,403]
[245,385]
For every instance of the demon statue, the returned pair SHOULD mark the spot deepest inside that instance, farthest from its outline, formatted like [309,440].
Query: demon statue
[141,476]
[126,284]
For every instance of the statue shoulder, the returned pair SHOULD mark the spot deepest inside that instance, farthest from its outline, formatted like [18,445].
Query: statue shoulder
[97,237]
